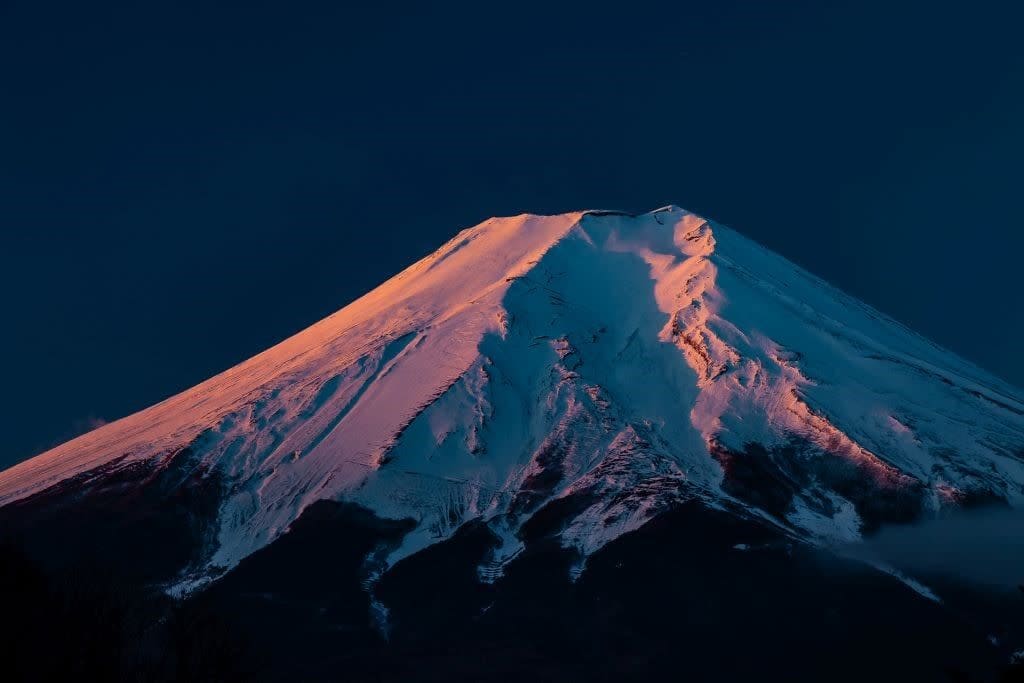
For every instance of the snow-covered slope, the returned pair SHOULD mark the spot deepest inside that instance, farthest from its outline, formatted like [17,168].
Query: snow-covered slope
[625,362]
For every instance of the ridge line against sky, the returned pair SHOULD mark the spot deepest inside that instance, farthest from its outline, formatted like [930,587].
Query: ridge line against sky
[183,186]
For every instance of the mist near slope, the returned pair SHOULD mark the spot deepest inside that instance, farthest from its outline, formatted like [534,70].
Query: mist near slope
[981,546]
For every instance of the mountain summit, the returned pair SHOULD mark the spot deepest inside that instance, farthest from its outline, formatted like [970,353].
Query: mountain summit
[603,366]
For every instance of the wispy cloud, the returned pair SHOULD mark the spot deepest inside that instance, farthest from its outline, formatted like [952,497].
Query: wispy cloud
[985,546]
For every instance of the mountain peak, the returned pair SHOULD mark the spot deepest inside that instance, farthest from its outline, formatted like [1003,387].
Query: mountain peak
[623,362]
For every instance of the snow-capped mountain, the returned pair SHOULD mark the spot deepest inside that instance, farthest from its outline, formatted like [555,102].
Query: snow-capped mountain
[611,364]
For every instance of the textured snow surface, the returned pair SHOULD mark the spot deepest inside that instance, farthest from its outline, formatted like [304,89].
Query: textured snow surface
[629,361]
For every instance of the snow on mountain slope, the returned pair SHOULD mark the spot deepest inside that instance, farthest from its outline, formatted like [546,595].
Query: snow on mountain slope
[623,362]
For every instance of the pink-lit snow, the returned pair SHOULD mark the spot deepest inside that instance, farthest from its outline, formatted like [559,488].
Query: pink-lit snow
[536,357]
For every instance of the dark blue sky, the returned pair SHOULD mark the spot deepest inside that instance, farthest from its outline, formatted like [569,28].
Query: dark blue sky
[184,184]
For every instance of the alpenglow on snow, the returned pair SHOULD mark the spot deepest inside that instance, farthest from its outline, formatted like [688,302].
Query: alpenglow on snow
[627,362]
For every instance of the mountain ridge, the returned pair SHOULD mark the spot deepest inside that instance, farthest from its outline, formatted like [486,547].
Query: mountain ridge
[625,362]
